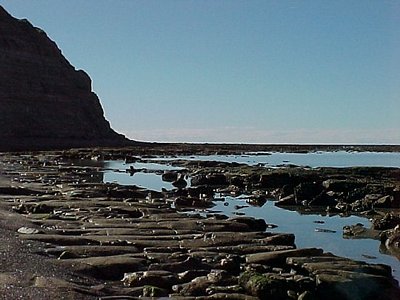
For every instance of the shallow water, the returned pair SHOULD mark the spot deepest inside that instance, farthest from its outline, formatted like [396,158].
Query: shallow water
[314,159]
[302,225]
[115,171]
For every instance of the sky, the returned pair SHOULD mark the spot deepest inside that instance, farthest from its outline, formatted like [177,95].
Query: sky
[234,71]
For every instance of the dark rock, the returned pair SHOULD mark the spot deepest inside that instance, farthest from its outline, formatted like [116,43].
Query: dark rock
[358,231]
[153,291]
[213,179]
[389,221]
[279,257]
[160,279]
[170,176]
[45,101]
[287,201]
[339,185]
[254,224]
[275,180]
[264,286]
[387,201]
[324,199]
[180,182]
[307,191]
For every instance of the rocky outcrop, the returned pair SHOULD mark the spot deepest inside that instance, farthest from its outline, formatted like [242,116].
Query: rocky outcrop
[44,101]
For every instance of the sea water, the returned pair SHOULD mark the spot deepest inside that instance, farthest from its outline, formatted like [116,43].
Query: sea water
[306,227]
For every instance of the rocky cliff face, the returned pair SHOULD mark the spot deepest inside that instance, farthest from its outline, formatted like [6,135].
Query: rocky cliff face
[44,101]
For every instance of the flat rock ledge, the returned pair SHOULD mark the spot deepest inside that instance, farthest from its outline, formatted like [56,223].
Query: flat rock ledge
[134,246]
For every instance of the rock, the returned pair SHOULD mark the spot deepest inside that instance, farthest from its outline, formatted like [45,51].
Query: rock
[212,179]
[387,201]
[389,221]
[307,191]
[257,200]
[264,286]
[45,101]
[275,180]
[180,182]
[252,223]
[324,199]
[358,231]
[324,230]
[287,201]
[160,279]
[279,257]
[332,285]
[341,185]
[192,202]
[107,267]
[170,176]
[391,240]
[27,230]
[153,291]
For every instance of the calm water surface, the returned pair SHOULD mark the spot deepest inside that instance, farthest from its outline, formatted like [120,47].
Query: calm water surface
[302,225]
[314,159]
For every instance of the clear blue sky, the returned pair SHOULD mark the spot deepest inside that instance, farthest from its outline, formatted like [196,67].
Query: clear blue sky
[235,71]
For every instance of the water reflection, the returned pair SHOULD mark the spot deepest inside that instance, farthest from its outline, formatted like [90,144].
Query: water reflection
[315,159]
[148,175]
[303,223]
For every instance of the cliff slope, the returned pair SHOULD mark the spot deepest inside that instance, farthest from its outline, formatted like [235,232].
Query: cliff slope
[44,101]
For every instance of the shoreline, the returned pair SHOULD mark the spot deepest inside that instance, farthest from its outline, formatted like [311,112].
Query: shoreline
[110,232]
[197,148]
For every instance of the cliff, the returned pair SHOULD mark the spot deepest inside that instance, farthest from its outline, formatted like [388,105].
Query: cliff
[44,101]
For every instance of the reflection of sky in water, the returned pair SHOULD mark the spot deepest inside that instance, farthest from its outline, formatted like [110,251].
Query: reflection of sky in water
[150,181]
[303,227]
[314,159]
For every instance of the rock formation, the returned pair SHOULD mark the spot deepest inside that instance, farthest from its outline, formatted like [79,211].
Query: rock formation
[44,101]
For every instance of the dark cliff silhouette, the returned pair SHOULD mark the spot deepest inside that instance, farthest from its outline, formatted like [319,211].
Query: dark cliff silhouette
[45,103]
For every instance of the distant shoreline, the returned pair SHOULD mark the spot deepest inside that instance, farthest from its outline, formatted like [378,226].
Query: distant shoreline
[196,148]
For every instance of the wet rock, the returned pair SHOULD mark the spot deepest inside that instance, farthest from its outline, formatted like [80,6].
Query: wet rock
[389,221]
[180,182]
[307,191]
[237,181]
[359,231]
[287,201]
[18,191]
[160,279]
[253,223]
[275,180]
[212,179]
[231,263]
[107,267]
[170,176]
[192,202]
[264,286]
[353,285]
[154,291]
[177,267]
[189,275]
[257,200]
[326,263]
[341,185]
[196,287]
[387,201]
[279,257]
[325,199]
[391,240]
[324,230]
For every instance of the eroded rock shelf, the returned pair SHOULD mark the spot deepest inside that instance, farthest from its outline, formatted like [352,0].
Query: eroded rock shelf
[135,243]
